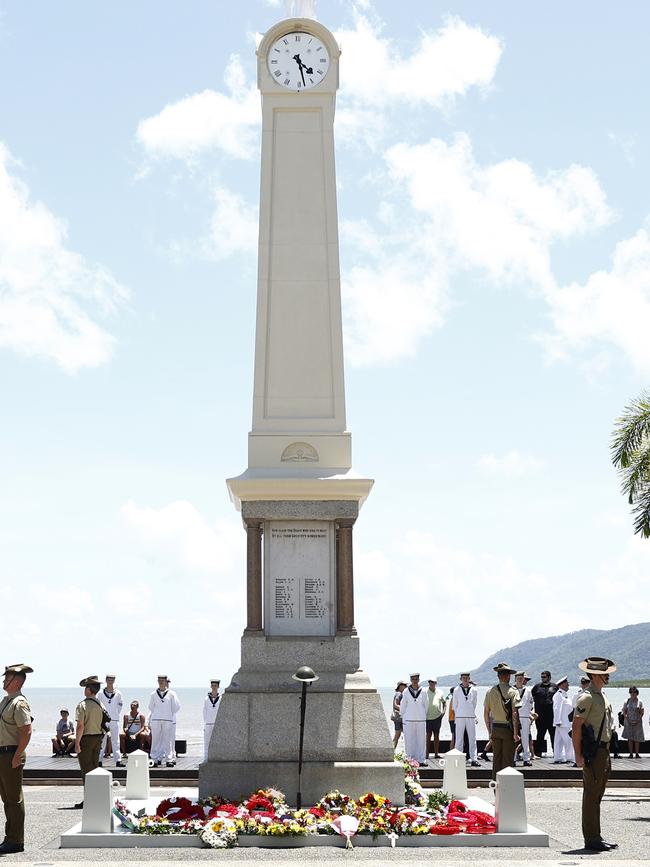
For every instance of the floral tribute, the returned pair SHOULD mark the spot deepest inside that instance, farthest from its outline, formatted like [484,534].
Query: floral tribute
[219,822]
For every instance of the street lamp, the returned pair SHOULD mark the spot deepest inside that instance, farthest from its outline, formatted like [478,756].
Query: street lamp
[304,675]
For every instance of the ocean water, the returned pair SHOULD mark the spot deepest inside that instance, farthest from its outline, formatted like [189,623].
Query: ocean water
[46,704]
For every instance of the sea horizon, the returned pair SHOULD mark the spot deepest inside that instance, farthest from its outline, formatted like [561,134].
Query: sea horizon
[46,703]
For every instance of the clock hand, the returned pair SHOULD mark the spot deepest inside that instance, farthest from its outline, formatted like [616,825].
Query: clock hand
[301,66]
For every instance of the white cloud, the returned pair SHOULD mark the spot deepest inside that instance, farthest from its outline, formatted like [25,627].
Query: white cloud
[177,537]
[49,295]
[207,122]
[627,143]
[421,580]
[445,65]
[513,463]
[234,225]
[500,219]
[391,302]
[435,583]
[609,307]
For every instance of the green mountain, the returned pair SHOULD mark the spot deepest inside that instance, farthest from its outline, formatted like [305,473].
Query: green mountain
[628,646]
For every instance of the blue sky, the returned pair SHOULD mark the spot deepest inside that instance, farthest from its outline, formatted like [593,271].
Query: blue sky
[493,173]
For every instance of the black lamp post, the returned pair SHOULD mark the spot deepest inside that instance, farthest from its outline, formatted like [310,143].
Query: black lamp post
[304,675]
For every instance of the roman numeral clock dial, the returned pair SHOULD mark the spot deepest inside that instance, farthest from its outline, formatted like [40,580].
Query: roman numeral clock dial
[298,61]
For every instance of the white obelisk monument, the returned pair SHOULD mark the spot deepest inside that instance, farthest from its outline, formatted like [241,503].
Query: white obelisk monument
[299,497]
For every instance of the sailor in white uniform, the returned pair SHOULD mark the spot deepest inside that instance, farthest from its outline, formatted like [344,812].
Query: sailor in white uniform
[413,710]
[562,707]
[163,707]
[464,702]
[210,708]
[112,702]
[525,713]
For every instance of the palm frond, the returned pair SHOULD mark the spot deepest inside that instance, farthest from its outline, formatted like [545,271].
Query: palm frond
[632,431]
[635,477]
[641,514]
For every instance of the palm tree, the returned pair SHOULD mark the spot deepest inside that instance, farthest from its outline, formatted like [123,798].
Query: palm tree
[631,457]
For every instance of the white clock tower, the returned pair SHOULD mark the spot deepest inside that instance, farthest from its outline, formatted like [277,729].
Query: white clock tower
[299,497]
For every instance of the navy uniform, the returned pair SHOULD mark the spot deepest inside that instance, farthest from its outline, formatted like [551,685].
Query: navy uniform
[15,732]
[210,709]
[112,702]
[594,709]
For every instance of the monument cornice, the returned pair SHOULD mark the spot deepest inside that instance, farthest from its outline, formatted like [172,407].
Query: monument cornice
[339,485]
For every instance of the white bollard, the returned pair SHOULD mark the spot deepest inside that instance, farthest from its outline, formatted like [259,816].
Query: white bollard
[98,802]
[137,776]
[510,802]
[454,778]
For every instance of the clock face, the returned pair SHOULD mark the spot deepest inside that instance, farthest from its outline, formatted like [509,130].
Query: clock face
[298,61]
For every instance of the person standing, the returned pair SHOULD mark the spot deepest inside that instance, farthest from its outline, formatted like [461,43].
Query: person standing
[210,708]
[543,693]
[464,703]
[163,707]
[501,714]
[395,715]
[633,722]
[436,704]
[413,710]
[112,702]
[526,711]
[593,715]
[89,717]
[562,716]
[15,733]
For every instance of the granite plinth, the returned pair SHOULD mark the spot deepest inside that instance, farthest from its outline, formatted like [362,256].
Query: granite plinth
[337,654]
[264,726]
[237,779]
[347,742]
[284,510]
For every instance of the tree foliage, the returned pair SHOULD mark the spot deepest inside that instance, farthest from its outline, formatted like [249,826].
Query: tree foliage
[631,457]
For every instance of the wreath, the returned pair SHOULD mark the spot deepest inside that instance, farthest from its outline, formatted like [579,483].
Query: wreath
[179,810]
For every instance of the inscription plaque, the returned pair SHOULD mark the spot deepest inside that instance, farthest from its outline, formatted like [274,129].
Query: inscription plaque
[298,583]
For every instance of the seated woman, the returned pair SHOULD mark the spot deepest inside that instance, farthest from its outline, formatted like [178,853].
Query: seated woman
[63,741]
[135,734]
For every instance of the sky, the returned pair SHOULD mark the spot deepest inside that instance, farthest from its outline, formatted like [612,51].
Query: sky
[493,177]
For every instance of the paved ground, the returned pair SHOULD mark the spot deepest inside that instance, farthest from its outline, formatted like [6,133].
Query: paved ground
[626,814]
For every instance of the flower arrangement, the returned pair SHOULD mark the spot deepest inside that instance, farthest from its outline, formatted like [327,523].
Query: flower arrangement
[219,822]
[336,802]
[436,800]
[219,834]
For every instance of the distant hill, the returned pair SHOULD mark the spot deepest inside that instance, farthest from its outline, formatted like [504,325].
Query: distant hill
[628,646]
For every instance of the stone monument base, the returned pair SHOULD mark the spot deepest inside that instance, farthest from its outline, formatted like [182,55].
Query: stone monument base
[238,779]
[347,742]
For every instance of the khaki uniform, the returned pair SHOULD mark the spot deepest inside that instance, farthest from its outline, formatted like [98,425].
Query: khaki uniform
[14,714]
[502,734]
[591,707]
[90,713]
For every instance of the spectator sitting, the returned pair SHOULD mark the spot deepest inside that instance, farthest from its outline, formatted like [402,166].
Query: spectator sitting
[135,734]
[63,742]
